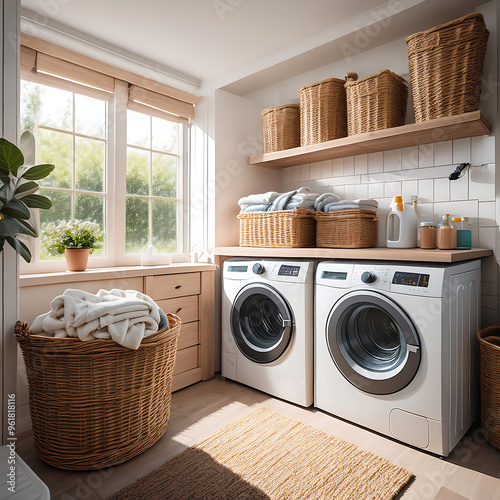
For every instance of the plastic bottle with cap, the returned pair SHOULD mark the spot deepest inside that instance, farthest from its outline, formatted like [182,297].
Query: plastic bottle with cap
[464,234]
[447,239]
[402,225]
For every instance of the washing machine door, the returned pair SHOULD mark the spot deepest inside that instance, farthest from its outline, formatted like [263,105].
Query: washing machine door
[261,322]
[373,342]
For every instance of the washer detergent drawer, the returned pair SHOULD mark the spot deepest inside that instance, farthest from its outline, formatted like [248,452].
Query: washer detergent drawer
[409,428]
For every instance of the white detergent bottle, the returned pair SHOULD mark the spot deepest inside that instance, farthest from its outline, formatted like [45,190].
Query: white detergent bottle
[402,225]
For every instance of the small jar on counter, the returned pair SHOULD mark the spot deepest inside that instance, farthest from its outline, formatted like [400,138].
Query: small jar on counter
[447,239]
[428,235]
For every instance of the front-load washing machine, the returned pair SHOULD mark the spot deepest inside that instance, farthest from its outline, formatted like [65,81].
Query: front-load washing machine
[396,348]
[267,326]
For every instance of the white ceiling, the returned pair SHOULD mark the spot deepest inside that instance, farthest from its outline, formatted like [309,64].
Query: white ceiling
[215,43]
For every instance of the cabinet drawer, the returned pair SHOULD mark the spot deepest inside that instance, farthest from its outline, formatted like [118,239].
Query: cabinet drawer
[174,285]
[189,335]
[185,307]
[186,359]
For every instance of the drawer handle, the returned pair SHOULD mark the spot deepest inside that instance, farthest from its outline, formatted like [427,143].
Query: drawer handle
[178,310]
[177,287]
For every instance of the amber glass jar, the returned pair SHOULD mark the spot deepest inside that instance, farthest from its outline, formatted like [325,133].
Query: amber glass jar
[428,234]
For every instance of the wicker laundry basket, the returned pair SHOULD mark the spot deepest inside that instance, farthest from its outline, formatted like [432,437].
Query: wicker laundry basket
[375,102]
[94,404]
[446,67]
[281,229]
[281,128]
[346,229]
[322,111]
[489,341]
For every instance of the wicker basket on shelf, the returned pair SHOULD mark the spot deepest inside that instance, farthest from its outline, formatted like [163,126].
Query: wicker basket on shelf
[446,67]
[281,229]
[346,229]
[94,404]
[281,128]
[375,102]
[489,341]
[322,111]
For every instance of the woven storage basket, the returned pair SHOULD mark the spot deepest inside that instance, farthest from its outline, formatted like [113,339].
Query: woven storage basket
[489,341]
[446,66]
[376,102]
[284,229]
[94,404]
[346,229]
[281,128]
[322,111]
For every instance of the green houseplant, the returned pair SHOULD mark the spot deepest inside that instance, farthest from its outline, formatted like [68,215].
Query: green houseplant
[75,239]
[17,196]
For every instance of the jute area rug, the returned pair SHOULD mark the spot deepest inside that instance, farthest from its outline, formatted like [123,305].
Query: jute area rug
[267,456]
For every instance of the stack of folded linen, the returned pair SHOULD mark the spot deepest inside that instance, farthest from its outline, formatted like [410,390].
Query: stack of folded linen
[362,204]
[292,200]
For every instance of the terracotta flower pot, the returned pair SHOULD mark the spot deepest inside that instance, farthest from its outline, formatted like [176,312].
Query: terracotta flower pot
[77,258]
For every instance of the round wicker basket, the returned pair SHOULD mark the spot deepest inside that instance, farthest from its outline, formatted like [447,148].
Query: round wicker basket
[95,404]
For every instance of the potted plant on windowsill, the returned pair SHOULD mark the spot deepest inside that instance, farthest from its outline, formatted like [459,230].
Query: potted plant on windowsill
[17,196]
[75,239]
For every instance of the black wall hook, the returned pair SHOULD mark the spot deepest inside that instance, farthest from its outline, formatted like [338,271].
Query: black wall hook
[458,172]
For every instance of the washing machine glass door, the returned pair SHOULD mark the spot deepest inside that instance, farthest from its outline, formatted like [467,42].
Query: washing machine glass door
[373,342]
[261,322]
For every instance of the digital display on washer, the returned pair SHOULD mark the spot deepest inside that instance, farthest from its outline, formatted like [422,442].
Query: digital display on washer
[237,269]
[289,270]
[411,279]
[332,275]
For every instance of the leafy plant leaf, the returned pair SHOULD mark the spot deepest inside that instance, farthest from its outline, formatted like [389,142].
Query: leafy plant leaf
[30,186]
[37,201]
[20,248]
[4,191]
[17,209]
[11,227]
[27,228]
[11,157]
[38,172]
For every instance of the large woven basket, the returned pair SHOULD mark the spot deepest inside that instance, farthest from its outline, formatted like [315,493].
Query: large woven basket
[94,404]
[283,229]
[346,229]
[322,111]
[489,341]
[376,102]
[446,67]
[281,128]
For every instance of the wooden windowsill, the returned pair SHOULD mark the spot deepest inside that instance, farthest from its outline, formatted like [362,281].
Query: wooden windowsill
[111,273]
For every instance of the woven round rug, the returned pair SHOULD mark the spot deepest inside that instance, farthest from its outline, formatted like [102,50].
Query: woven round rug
[267,456]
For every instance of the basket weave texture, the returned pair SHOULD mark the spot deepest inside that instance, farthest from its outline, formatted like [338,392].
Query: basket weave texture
[323,114]
[376,102]
[446,66]
[281,128]
[346,229]
[281,229]
[94,404]
[489,341]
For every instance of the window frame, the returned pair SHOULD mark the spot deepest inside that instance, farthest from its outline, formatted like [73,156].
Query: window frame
[115,194]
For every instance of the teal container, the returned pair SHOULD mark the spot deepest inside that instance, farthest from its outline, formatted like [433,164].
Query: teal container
[464,239]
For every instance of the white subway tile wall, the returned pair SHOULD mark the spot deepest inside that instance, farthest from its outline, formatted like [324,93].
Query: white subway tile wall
[422,171]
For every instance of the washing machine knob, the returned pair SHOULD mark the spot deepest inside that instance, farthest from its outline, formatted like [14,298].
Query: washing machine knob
[368,277]
[258,268]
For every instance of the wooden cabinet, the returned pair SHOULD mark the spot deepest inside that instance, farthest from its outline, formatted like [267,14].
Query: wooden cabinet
[190,295]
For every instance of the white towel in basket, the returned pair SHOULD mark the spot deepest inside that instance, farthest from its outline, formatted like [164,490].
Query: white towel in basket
[125,316]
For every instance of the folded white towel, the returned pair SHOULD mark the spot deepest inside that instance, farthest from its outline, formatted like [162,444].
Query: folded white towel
[258,199]
[361,204]
[125,316]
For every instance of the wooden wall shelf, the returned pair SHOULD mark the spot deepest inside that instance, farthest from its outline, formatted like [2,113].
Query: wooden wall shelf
[394,254]
[471,124]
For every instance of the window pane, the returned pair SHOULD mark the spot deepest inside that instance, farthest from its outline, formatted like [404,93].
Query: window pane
[90,116]
[56,148]
[90,207]
[89,164]
[137,231]
[138,129]
[164,175]
[165,226]
[165,136]
[137,171]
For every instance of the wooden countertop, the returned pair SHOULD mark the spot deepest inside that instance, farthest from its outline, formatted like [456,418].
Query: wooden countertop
[395,254]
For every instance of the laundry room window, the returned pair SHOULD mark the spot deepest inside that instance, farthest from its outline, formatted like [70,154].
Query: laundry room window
[119,148]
